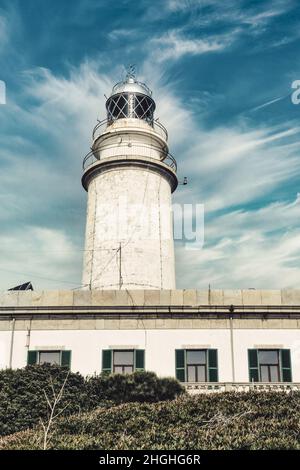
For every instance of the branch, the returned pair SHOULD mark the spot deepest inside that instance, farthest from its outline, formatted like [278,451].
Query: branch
[52,406]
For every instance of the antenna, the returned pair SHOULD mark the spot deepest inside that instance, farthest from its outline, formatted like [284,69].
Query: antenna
[120,267]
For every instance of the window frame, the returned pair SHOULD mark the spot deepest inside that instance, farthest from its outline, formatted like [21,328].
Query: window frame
[284,363]
[123,365]
[205,364]
[269,365]
[49,351]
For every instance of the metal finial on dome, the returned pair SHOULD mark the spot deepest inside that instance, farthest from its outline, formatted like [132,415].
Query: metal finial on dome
[131,72]
[130,84]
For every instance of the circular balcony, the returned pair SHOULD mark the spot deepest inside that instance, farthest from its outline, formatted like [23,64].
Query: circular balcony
[147,151]
[156,126]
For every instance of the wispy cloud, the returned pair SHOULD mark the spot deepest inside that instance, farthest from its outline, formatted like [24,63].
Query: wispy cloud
[3,32]
[175,44]
[253,19]
[46,257]
[42,201]
[235,11]
[256,248]
[238,166]
[235,21]
[123,34]
[270,102]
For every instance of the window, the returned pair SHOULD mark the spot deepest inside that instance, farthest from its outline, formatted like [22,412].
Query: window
[269,365]
[196,365]
[61,358]
[50,357]
[143,107]
[123,361]
[117,107]
[130,105]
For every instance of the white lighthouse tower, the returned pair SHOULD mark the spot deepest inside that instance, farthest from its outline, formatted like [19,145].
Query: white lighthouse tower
[129,176]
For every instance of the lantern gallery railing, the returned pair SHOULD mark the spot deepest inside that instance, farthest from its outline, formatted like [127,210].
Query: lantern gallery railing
[120,151]
[212,387]
[100,128]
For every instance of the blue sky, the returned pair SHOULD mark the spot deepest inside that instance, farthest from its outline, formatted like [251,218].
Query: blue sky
[221,75]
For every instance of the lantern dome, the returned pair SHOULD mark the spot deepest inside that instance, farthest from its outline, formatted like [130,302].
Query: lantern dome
[130,99]
[130,85]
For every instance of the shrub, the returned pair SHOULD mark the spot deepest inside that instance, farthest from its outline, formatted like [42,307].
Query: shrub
[22,395]
[136,387]
[256,420]
[23,401]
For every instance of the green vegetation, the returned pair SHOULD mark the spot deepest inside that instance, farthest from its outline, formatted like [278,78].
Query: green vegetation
[219,421]
[127,412]
[23,393]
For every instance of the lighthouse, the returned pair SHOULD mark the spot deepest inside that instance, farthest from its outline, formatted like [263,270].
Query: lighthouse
[129,176]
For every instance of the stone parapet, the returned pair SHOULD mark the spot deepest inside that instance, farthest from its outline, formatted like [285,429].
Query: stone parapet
[184,298]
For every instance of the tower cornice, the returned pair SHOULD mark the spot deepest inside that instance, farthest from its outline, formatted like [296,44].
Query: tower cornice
[116,163]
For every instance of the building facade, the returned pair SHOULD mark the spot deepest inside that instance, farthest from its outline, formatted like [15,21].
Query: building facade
[209,340]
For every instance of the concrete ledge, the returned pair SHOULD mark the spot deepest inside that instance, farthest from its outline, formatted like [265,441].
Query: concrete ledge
[184,298]
[83,323]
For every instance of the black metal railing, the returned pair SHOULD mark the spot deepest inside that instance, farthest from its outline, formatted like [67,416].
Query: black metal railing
[120,151]
[100,127]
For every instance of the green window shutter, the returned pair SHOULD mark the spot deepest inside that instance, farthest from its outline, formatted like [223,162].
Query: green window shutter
[180,364]
[32,357]
[66,359]
[253,365]
[106,361]
[212,364]
[139,359]
[285,361]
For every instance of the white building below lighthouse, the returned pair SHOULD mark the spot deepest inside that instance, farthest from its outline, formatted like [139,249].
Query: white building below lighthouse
[210,340]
